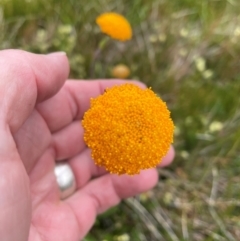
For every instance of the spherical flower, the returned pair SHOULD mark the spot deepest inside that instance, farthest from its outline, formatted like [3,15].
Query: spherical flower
[128,129]
[115,25]
[120,71]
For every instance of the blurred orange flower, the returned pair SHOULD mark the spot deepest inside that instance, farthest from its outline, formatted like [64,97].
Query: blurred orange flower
[115,25]
[120,71]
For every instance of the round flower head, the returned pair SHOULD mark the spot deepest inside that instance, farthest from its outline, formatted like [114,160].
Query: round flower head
[128,129]
[120,71]
[115,25]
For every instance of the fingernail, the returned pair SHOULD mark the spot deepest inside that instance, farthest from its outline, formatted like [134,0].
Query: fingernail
[61,53]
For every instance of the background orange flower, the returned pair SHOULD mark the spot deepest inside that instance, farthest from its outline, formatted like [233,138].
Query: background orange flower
[115,25]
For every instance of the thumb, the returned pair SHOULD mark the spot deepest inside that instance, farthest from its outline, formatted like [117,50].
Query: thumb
[15,205]
[25,79]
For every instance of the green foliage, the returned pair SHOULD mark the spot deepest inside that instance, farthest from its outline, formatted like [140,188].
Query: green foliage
[188,51]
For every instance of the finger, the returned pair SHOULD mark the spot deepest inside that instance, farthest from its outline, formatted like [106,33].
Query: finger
[84,168]
[32,139]
[73,100]
[43,181]
[28,78]
[68,141]
[15,200]
[105,192]
[167,160]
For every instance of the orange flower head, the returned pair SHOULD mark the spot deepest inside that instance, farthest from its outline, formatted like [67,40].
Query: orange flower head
[115,25]
[128,129]
[120,71]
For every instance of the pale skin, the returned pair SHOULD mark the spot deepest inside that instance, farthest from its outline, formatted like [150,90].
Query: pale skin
[40,123]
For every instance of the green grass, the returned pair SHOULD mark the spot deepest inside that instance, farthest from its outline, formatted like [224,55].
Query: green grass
[188,51]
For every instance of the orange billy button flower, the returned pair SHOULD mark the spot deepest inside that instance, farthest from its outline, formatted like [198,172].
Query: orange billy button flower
[128,129]
[120,71]
[115,25]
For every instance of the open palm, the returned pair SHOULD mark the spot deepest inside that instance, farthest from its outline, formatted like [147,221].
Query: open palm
[40,119]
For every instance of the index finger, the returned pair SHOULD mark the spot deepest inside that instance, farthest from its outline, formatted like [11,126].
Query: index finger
[27,79]
[73,100]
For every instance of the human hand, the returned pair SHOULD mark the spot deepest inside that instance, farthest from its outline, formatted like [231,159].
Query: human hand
[40,117]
